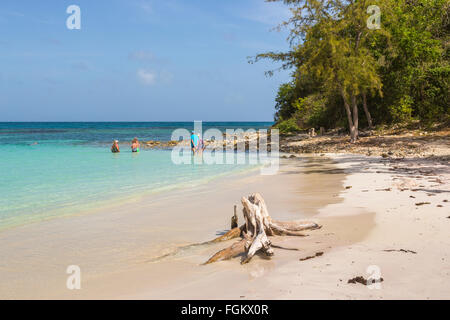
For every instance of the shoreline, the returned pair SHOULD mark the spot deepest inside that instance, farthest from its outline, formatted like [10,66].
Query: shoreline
[392,144]
[132,235]
[363,203]
[372,230]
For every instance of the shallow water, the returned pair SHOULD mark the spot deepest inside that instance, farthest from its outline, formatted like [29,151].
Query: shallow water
[56,169]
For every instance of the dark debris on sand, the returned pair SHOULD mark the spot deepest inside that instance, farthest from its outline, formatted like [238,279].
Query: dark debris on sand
[360,279]
[400,250]
[318,254]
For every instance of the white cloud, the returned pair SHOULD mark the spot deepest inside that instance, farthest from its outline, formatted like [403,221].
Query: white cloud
[142,55]
[147,77]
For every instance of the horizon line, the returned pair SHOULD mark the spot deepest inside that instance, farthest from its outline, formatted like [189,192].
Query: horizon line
[131,121]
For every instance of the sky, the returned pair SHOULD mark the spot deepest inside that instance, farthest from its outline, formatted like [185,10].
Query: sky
[139,60]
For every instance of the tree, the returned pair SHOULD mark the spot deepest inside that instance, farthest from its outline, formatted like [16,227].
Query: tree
[284,101]
[397,73]
[413,61]
[328,38]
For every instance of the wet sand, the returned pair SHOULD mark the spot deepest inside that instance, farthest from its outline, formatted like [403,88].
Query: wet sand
[114,245]
[141,250]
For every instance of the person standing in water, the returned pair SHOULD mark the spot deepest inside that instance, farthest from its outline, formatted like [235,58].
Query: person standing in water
[194,142]
[115,147]
[135,145]
[201,143]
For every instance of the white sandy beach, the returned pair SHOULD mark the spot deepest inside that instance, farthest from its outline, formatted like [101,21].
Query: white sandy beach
[138,250]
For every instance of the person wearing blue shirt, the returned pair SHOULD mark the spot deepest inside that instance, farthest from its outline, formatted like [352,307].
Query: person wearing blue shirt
[194,142]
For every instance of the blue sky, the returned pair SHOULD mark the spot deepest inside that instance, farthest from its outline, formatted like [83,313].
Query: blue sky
[139,60]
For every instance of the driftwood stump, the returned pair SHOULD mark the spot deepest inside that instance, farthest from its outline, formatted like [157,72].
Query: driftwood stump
[256,230]
[234,219]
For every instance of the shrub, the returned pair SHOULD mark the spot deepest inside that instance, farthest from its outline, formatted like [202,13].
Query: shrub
[287,126]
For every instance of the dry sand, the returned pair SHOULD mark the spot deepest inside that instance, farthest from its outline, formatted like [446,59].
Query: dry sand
[138,250]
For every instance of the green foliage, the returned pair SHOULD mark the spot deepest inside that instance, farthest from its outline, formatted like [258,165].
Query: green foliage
[415,71]
[401,112]
[284,101]
[311,111]
[402,68]
[287,126]
[432,100]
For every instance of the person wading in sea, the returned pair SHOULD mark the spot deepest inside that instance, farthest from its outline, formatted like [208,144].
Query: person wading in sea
[135,145]
[194,142]
[115,147]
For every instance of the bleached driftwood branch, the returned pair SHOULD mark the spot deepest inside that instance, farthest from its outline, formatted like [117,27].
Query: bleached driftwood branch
[255,233]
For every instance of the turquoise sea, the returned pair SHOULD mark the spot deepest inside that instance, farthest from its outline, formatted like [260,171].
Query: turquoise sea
[55,169]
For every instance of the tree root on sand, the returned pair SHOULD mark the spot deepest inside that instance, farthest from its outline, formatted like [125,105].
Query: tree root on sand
[255,232]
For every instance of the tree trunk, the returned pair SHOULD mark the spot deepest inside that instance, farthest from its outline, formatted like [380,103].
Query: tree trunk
[348,111]
[355,134]
[255,233]
[366,110]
